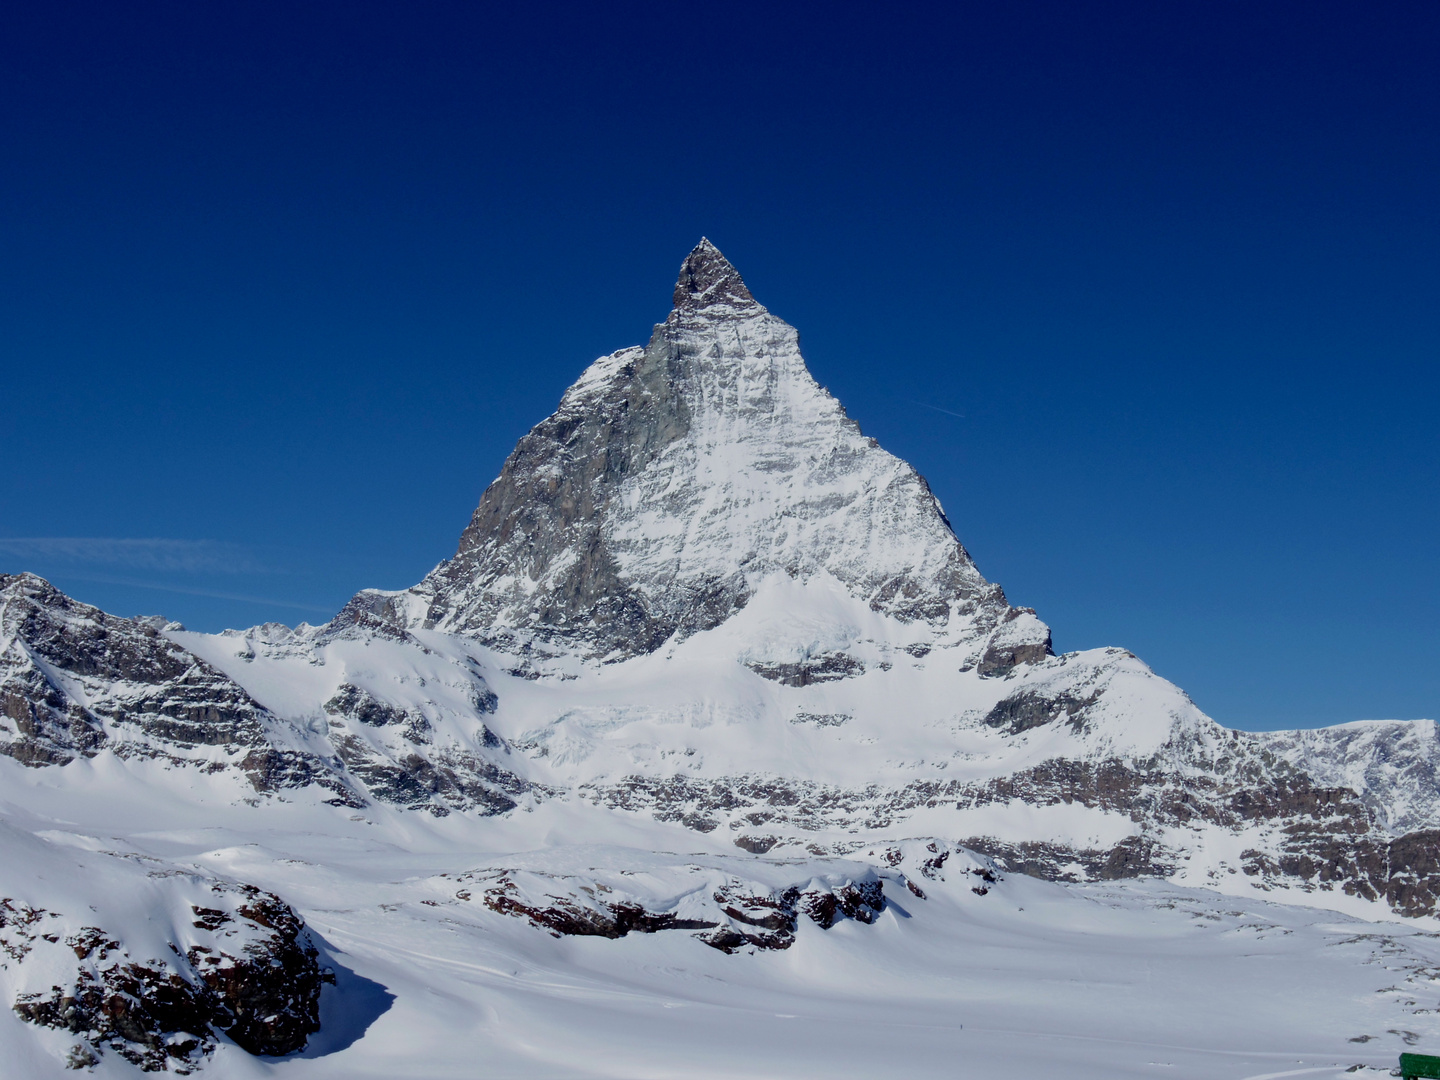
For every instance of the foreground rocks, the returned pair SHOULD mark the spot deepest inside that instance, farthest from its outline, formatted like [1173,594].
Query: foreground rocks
[250,972]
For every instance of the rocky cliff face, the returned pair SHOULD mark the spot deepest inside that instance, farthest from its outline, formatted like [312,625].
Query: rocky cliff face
[76,682]
[69,673]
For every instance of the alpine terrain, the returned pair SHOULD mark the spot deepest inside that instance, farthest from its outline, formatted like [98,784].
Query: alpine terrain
[710,752]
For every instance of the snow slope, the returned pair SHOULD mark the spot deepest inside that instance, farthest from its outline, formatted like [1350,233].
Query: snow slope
[1133,979]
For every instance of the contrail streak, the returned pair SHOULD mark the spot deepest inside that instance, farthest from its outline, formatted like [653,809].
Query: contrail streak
[198,592]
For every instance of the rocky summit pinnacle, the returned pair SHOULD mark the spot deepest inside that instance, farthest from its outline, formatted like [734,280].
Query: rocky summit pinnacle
[707,280]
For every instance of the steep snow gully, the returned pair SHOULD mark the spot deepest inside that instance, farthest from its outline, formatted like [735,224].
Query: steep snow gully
[710,752]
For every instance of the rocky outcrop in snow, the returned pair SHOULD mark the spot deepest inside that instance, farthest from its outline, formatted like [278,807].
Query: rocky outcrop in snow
[73,679]
[149,961]
[727,904]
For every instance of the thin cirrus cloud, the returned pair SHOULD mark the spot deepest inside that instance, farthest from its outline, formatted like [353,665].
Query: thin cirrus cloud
[184,556]
[157,555]
[105,579]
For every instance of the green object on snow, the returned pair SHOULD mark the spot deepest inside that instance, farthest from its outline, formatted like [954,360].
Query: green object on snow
[1419,1065]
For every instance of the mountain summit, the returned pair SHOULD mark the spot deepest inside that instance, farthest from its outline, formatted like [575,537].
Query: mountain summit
[678,480]
[708,280]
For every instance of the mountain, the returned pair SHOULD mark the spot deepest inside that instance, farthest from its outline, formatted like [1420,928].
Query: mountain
[675,482]
[707,660]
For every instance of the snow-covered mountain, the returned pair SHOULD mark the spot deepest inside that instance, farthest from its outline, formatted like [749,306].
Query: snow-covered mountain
[698,611]
[678,482]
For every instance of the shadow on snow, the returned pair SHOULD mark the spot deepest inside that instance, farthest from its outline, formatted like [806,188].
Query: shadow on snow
[347,1009]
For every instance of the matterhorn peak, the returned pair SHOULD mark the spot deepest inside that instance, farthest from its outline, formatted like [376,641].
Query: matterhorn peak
[708,280]
[705,473]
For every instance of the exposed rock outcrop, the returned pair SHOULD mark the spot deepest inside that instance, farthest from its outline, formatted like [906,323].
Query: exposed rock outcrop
[723,908]
[253,974]
[73,678]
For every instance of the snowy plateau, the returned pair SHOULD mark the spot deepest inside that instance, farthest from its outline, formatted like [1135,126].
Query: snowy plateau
[710,753]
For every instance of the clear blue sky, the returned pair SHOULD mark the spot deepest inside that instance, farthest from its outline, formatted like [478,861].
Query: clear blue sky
[1149,292]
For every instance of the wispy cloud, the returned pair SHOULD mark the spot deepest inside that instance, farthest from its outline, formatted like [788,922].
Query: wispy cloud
[185,556]
[241,597]
[937,408]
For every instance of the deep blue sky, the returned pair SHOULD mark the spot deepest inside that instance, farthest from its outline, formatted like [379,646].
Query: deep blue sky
[1149,292]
